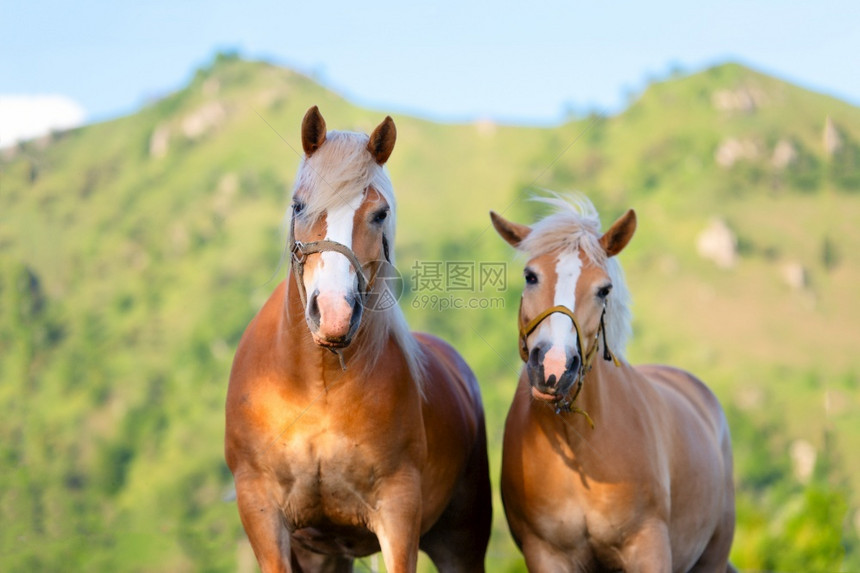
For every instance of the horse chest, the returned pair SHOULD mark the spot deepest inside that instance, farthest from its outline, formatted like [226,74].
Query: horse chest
[563,522]
[327,478]
[585,535]
[582,511]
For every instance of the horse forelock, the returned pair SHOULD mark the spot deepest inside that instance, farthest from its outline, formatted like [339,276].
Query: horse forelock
[574,225]
[339,173]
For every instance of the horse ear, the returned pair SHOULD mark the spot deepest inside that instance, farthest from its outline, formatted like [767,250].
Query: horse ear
[313,131]
[512,232]
[619,234]
[382,140]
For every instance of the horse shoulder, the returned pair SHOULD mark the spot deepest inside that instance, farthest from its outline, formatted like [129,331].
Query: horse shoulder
[254,404]
[541,479]
[519,443]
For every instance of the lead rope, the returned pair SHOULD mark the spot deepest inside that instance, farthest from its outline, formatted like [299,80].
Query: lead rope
[339,353]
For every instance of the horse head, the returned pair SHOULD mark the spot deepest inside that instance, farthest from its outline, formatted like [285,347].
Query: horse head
[568,281]
[341,225]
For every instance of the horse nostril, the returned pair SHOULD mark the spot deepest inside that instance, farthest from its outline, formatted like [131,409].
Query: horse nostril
[357,309]
[573,366]
[314,308]
[535,357]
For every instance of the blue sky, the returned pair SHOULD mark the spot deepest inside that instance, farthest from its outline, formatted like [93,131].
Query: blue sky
[525,62]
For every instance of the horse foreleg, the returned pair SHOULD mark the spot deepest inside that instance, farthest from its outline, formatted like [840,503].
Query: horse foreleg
[397,525]
[648,550]
[264,525]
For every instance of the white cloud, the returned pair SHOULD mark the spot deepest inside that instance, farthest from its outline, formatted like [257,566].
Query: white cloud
[27,116]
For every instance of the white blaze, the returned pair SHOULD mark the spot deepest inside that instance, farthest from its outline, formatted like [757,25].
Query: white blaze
[335,273]
[561,330]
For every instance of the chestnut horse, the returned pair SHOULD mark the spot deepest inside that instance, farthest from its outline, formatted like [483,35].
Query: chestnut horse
[346,433]
[605,466]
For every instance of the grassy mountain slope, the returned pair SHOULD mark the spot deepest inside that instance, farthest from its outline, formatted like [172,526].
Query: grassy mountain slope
[134,252]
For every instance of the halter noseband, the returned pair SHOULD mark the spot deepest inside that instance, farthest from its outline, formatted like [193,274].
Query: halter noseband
[299,252]
[567,404]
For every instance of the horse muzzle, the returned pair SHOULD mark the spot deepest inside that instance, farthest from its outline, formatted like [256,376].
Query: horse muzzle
[552,372]
[333,318]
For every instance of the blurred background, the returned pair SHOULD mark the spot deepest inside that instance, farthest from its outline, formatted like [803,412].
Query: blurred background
[147,153]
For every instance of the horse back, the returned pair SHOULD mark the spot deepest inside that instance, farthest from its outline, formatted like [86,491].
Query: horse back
[688,393]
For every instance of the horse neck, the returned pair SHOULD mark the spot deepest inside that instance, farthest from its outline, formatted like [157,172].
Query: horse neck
[594,399]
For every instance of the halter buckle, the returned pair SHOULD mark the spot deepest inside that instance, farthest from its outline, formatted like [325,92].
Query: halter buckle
[297,251]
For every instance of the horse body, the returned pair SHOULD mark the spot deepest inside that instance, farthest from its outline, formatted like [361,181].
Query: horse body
[333,464]
[335,453]
[654,469]
[605,466]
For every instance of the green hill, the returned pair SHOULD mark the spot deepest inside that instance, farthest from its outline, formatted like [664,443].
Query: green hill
[134,252]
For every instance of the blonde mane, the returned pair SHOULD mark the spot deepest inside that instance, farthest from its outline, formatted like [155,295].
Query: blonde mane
[574,224]
[339,173]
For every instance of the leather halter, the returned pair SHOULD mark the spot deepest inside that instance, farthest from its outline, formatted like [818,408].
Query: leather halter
[567,404]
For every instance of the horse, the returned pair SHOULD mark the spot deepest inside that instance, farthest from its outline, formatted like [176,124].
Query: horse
[346,433]
[605,466]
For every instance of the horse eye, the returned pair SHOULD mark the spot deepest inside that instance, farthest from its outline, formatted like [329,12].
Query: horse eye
[603,291]
[531,277]
[298,207]
[380,216]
